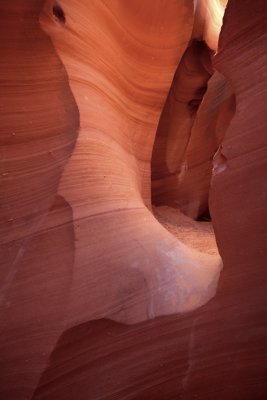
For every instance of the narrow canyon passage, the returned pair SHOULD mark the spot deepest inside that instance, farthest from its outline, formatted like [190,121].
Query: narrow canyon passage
[198,110]
[113,155]
[133,200]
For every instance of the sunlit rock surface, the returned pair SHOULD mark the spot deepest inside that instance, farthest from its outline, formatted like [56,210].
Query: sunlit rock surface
[208,21]
[87,113]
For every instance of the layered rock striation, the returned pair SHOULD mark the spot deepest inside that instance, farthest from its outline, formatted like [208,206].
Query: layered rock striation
[102,102]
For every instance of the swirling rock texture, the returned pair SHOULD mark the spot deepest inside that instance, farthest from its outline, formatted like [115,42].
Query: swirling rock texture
[186,143]
[94,95]
[195,117]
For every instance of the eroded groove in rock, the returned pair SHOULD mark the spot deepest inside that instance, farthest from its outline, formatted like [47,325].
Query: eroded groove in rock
[212,121]
[188,136]
[176,122]
[107,181]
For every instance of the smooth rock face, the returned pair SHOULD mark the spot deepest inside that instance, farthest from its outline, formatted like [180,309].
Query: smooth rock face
[169,162]
[127,267]
[194,119]
[208,21]
[81,107]
[187,142]
[213,118]
[39,126]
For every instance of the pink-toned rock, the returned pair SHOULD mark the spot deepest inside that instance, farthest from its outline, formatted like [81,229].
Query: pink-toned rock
[211,123]
[169,161]
[79,243]
[120,271]
[238,186]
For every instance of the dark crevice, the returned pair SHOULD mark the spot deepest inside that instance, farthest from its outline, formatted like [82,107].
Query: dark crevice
[59,14]
[177,119]
[205,217]
[188,135]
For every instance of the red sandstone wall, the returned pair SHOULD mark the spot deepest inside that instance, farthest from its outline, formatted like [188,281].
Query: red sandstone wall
[78,241]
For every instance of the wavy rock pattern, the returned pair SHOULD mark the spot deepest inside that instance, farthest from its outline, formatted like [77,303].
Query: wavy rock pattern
[107,179]
[84,85]
[174,131]
[186,143]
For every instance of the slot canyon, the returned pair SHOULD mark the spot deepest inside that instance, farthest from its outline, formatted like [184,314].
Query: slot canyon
[133,200]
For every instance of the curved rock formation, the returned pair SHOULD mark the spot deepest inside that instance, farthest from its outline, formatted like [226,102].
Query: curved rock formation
[129,277]
[39,126]
[191,130]
[187,141]
[85,84]
[177,119]
[208,21]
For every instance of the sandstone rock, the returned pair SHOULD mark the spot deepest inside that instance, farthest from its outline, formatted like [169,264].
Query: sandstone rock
[80,245]
[169,161]
[213,118]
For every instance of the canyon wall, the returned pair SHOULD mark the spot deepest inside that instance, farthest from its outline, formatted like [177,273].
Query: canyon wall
[89,109]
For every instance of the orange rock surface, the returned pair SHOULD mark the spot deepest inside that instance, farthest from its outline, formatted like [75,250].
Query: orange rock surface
[105,104]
